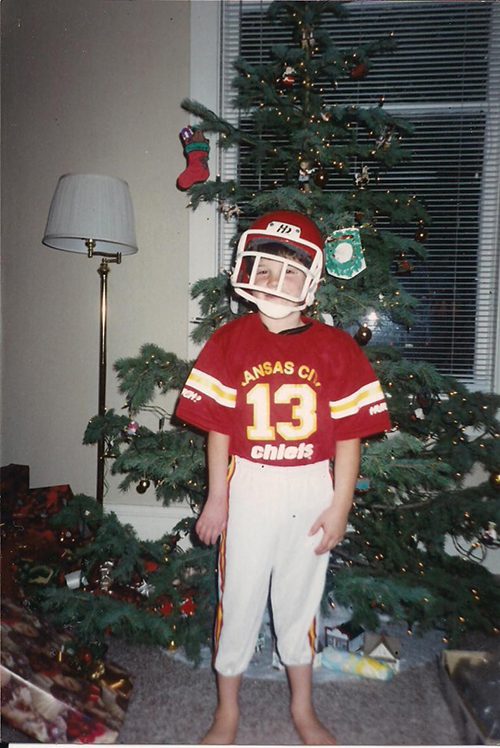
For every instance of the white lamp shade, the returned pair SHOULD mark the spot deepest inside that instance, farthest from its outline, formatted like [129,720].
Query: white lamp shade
[91,206]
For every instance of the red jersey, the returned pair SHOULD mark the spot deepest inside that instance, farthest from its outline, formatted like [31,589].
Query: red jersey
[284,399]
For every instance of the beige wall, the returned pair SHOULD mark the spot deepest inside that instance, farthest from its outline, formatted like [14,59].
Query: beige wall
[90,86]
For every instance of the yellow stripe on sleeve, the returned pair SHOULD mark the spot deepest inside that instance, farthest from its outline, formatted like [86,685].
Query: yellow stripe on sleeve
[352,404]
[212,387]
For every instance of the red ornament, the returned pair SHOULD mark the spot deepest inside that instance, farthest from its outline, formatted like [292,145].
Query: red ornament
[131,428]
[359,71]
[167,608]
[85,656]
[188,606]
[288,77]
[403,266]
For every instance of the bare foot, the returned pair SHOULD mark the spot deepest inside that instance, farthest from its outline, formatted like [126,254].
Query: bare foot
[311,730]
[224,728]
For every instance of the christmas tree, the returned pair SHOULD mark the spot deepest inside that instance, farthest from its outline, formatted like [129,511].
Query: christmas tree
[329,161]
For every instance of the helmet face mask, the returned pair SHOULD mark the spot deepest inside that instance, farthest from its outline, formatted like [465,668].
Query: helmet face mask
[287,245]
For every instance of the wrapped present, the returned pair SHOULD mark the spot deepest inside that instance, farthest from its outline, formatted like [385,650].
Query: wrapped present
[41,503]
[24,505]
[354,664]
[52,690]
[14,483]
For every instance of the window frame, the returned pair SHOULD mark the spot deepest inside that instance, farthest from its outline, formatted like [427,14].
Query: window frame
[215,76]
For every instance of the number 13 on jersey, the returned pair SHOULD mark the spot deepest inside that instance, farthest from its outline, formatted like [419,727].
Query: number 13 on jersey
[302,401]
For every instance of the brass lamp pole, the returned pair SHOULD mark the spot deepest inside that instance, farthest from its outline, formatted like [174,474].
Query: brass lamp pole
[103,271]
[97,206]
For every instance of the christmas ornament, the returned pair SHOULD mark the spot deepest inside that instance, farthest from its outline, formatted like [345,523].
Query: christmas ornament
[362,485]
[308,41]
[186,134]
[306,168]
[363,335]
[151,566]
[490,535]
[288,77]
[384,140]
[131,428]
[321,178]
[188,607]
[495,480]
[344,254]
[105,578]
[362,178]
[229,210]
[403,265]
[166,608]
[143,485]
[359,71]
[145,589]
[196,150]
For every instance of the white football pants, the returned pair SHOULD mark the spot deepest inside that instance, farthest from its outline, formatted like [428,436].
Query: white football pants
[271,510]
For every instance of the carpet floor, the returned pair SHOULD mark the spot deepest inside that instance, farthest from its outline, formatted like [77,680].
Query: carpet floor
[172,704]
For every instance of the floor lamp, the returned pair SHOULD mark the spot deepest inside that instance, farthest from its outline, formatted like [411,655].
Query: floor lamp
[92,214]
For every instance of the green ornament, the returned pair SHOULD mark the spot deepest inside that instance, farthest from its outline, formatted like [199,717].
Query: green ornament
[344,253]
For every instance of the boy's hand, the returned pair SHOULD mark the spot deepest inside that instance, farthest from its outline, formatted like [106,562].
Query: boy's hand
[334,526]
[212,521]
[333,520]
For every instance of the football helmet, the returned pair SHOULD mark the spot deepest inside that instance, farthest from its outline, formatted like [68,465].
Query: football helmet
[294,245]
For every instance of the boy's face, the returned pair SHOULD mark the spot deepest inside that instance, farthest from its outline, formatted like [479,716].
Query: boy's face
[273,274]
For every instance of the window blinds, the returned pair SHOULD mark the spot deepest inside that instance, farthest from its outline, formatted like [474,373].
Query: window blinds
[445,79]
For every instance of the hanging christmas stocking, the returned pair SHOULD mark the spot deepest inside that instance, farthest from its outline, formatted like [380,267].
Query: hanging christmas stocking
[196,150]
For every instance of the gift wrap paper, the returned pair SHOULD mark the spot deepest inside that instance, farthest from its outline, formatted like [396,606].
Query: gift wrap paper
[44,697]
[354,664]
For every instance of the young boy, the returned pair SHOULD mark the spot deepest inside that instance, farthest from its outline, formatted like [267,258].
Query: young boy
[280,395]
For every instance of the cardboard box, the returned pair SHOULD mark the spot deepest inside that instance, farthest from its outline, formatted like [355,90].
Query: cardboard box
[42,693]
[473,730]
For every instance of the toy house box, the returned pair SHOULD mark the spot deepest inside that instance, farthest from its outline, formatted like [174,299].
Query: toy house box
[45,696]
[345,637]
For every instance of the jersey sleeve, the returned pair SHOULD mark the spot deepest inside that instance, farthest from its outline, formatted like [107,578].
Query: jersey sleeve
[207,399]
[358,406]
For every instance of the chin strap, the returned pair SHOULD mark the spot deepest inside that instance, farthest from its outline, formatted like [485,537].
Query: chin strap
[271,308]
[275,311]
